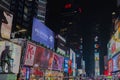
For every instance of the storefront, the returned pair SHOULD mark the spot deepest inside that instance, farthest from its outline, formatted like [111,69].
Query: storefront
[53,75]
[43,63]
[36,74]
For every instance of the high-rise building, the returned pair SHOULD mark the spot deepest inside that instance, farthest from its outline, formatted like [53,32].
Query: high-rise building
[5,4]
[41,9]
[24,11]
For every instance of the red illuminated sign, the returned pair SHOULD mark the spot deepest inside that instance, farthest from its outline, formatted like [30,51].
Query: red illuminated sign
[69,5]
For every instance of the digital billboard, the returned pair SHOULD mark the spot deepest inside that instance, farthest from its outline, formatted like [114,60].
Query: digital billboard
[61,45]
[29,54]
[116,62]
[5,23]
[58,62]
[43,57]
[8,76]
[10,55]
[47,59]
[66,64]
[114,44]
[73,58]
[110,66]
[42,34]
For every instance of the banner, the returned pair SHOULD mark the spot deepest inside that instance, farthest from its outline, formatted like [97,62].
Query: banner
[30,53]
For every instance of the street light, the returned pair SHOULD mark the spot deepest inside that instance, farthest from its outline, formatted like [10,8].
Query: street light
[14,33]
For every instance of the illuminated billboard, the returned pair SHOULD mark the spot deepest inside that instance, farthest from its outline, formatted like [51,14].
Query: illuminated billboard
[110,66]
[43,57]
[61,45]
[42,34]
[10,55]
[58,62]
[66,64]
[73,58]
[114,44]
[29,54]
[97,66]
[47,59]
[116,62]
[6,19]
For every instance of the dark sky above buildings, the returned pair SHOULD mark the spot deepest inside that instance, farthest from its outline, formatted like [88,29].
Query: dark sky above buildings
[94,12]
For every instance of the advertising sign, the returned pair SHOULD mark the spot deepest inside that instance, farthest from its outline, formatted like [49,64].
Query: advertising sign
[97,66]
[5,23]
[42,34]
[66,64]
[73,58]
[61,62]
[58,62]
[30,53]
[116,63]
[61,45]
[114,44]
[10,54]
[16,55]
[42,57]
[110,66]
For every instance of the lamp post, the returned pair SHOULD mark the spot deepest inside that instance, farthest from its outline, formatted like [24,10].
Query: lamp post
[14,33]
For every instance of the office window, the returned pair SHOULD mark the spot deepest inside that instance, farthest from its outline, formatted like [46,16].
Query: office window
[25,10]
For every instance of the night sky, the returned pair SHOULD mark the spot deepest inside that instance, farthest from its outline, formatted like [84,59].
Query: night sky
[94,13]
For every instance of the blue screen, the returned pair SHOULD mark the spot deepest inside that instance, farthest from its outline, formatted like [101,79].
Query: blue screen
[42,34]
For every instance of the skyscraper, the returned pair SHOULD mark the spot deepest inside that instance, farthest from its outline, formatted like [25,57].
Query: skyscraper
[24,11]
[41,9]
[5,4]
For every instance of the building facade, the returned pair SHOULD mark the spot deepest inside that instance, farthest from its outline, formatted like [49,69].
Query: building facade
[24,11]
